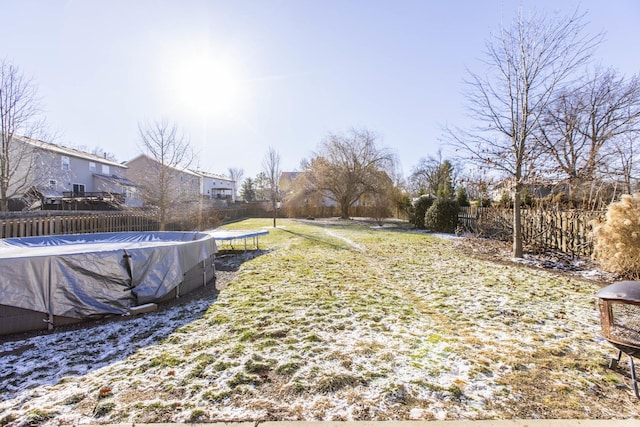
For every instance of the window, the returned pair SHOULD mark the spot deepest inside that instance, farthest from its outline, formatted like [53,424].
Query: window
[129,192]
[65,163]
[92,167]
[105,169]
[78,189]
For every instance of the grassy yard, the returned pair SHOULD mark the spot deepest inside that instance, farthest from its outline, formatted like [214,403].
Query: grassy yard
[343,321]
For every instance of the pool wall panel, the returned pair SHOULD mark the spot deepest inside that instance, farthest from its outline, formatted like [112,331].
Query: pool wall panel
[81,277]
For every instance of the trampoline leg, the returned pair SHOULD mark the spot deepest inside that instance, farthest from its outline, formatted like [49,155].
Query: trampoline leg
[613,363]
[633,377]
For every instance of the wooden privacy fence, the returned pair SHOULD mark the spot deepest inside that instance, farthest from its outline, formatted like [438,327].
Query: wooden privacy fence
[74,224]
[565,231]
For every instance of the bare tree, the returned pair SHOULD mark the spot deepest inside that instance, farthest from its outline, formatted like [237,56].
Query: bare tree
[432,174]
[477,184]
[236,174]
[526,62]
[19,116]
[625,161]
[384,197]
[101,152]
[163,178]
[348,167]
[586,123]
[271,168]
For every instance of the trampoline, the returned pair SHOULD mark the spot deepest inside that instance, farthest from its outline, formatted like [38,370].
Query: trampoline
[238,238]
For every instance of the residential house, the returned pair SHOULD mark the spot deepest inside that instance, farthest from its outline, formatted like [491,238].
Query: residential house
[503,190]
[57,177]
[217,187]
[186,184]
[183,184]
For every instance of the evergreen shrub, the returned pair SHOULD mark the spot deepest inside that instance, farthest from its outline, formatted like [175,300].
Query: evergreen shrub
[462,198]
[442,216]
[420,208]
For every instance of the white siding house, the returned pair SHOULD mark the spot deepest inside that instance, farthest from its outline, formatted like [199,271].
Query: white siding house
[217,187]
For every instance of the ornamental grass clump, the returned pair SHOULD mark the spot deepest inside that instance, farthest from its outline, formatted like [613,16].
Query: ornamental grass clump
[617,239]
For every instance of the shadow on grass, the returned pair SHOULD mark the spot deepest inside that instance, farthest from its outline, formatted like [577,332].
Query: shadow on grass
[35,360]
[330,242]
[232,260]
[42,358]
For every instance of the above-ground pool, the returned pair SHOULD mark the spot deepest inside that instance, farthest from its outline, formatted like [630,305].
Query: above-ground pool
[54,280]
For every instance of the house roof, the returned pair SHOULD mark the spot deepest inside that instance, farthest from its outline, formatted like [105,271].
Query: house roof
[66,151]
[176,168]
[213,176]
[289,175]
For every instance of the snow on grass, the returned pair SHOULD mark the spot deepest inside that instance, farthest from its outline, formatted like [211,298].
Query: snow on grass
[333,322]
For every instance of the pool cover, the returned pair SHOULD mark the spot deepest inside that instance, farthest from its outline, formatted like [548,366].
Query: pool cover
[84,275]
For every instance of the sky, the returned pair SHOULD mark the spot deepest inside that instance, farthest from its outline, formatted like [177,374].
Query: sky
[239,76]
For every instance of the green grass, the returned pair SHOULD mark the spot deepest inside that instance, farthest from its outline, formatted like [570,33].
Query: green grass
[316,281]
[374,318]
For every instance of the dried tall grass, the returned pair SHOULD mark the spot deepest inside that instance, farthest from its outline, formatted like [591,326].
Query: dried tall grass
[617,239]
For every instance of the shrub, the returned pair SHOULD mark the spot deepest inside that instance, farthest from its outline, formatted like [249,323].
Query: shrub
[526,198]
[403,205]
[505,200]
[560,199]
[462,198]
[617,239]
[420,207]
[485,202]
[442,216]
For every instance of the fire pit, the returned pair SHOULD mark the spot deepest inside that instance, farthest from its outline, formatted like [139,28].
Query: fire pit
[620,320]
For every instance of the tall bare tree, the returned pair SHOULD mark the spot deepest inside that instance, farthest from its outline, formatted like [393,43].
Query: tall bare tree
[347,167]
[20,111]
[271,168]
[580,127]
[236,174]
[170,154]
[527,61]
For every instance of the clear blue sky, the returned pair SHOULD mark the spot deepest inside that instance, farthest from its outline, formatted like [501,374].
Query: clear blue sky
[238,76]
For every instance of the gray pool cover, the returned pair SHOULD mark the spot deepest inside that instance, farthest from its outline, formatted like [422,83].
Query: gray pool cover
[84,275]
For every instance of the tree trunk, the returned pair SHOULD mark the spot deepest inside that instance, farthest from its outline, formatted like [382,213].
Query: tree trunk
[274,204]
[4,187]
[517,223]
[344,210]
